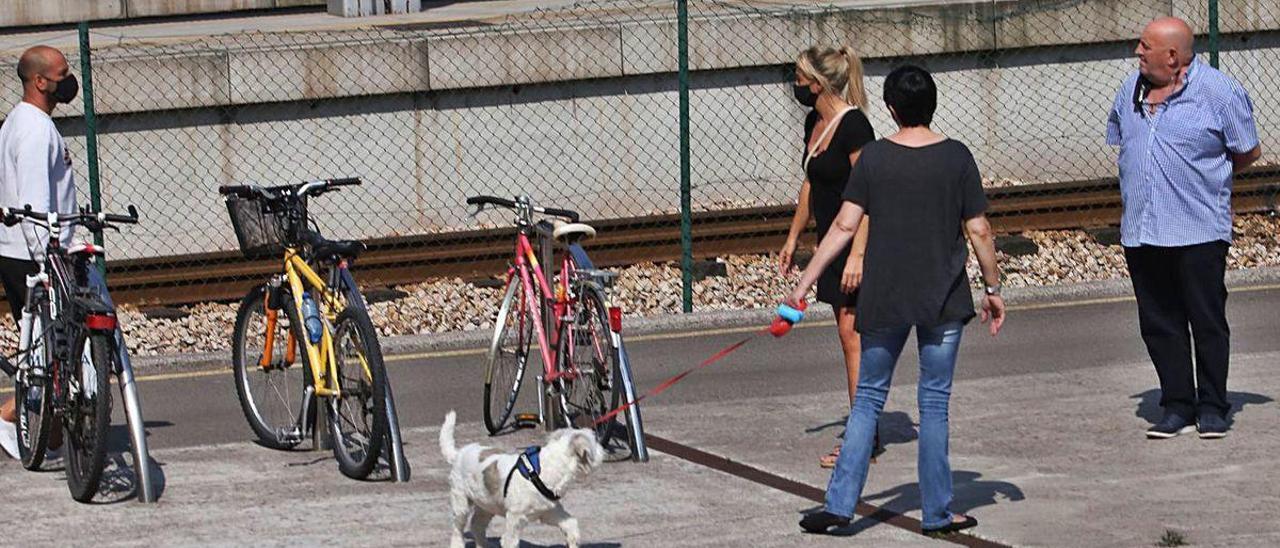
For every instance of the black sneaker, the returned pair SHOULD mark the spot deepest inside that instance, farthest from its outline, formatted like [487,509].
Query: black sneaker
[955,526]
[1171,426]
[819,522]
[1212,426]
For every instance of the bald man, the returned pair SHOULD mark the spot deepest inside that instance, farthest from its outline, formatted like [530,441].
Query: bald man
[1183,129]
[35,169]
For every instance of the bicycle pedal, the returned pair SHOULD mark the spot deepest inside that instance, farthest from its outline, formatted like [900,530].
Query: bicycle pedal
[277,366]
[293,435]
[527,420]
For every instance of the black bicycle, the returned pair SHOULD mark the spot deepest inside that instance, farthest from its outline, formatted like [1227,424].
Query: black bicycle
[67,350]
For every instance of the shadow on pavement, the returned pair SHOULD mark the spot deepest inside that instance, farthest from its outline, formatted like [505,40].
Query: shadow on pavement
[970,492]
[119,479]
[494,541]
[896,427]
[1149,404]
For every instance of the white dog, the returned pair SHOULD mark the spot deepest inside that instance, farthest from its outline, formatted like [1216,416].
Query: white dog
[485,482]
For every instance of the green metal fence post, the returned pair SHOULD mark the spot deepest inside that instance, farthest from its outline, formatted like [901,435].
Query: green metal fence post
[1213,33]
[686,200]
[90,129]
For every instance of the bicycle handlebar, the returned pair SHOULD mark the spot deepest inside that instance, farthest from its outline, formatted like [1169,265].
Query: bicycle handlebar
[94,221]
[490,200]
[311,188]
[571,215]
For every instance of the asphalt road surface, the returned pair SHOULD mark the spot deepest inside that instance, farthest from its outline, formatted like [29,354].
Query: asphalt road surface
[200,408]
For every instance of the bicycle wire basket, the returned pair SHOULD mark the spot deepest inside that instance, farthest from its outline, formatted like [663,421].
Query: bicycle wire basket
[261,233]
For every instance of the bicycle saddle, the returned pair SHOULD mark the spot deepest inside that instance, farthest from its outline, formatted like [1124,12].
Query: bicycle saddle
[321,247]
[347,249]
[573,232]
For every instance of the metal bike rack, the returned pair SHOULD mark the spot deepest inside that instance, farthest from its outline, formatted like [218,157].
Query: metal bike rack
[394,444]
[546,255]
[132,404]
[639,451]
[546,249]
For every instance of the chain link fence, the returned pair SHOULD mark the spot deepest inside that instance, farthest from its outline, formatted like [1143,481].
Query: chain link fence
[578,106]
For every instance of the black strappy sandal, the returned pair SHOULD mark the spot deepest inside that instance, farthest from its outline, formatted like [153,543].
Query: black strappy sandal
[953,527]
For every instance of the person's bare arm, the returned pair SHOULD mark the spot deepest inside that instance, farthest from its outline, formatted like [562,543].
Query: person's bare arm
[852,276]
[1242,161]
[838,238]
[983,240]
[798,223]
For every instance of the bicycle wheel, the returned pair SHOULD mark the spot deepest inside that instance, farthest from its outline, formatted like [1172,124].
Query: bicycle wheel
[586,351]
[33,396]
[88,414]
[271,396]
[508,353]
[358,419]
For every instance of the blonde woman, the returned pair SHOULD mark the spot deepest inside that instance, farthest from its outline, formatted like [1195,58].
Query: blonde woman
[829,80]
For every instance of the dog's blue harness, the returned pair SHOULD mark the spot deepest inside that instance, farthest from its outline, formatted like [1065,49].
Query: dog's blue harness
[529,467]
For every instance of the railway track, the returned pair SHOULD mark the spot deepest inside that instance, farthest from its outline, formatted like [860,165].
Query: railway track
[226,276]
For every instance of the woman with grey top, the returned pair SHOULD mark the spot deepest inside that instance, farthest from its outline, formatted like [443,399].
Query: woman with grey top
[926,197]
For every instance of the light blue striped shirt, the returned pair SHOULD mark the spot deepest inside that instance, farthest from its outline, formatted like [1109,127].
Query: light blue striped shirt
[1175,165]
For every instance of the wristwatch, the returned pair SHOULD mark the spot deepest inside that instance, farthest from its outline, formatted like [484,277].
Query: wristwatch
[993,290]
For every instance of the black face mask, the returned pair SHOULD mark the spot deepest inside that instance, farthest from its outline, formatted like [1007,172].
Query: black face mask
[67,89]
[805,95]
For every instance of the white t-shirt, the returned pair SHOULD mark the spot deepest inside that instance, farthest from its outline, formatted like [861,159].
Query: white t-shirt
[35,169]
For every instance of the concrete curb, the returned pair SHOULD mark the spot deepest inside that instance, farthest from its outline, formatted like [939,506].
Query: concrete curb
[720,319]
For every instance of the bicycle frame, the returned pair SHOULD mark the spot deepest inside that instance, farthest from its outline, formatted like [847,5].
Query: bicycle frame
[300,277]
[55,276]
[525,257]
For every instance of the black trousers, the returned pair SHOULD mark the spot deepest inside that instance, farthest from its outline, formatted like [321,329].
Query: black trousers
[13,274]
[1179,287]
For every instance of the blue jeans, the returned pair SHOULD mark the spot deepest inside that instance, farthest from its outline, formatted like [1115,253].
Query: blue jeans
[880,351]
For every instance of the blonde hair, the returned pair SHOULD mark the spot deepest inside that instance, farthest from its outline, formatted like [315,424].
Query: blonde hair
[838,70]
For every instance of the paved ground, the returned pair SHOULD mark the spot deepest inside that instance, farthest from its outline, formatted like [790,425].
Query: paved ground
[1047,450]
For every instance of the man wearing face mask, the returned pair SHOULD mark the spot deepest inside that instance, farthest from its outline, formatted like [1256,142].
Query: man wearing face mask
[35,169]
[1183,129]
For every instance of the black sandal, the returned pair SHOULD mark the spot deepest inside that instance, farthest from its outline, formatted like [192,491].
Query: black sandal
[953,527]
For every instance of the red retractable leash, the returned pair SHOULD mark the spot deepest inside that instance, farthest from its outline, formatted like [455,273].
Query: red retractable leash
[787,317]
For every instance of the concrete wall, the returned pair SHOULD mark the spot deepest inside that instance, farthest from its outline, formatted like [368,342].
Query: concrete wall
[582,116]
[23,13]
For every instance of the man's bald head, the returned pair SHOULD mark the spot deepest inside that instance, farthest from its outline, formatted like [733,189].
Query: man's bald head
[1166,46]
[1174,33]
[43,70]
[39,60]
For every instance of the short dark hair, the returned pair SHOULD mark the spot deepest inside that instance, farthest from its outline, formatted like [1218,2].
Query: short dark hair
[912,94]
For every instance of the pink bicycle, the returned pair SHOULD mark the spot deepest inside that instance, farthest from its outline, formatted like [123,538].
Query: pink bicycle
[576,330]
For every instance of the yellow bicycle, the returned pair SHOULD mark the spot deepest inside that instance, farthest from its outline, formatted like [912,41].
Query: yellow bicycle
[325,326]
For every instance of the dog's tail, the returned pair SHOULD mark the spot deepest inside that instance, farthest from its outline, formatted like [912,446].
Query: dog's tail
[447,446]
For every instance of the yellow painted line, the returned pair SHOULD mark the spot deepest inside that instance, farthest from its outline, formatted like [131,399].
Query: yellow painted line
[185,375]
[1128,298]
[161,377]
[1085,302]
[660,337]
[440,354]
